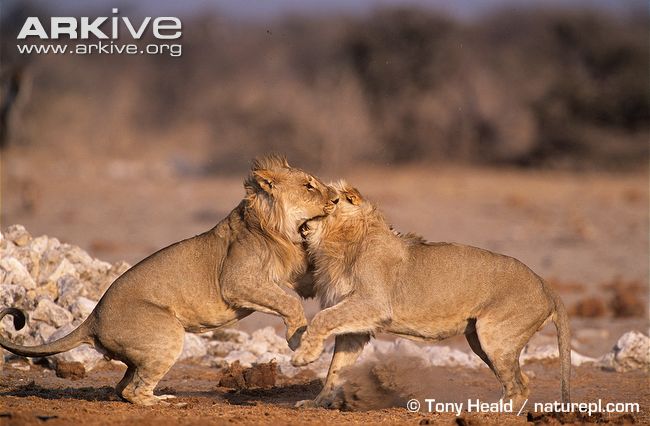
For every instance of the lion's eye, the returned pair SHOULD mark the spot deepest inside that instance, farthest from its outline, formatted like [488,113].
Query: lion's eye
[309,186]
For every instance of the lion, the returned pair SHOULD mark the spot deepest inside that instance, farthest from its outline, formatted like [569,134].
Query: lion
[204,282]
[371,279]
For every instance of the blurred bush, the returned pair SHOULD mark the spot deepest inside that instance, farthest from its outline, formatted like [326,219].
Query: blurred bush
[537,88]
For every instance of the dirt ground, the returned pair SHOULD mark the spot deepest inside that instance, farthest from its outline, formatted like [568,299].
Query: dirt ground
[39,397]
[586,233]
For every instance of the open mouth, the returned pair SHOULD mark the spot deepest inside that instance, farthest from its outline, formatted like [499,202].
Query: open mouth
[304,229]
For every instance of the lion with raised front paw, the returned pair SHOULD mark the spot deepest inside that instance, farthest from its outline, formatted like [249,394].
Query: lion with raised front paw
[371,279]
[204,282]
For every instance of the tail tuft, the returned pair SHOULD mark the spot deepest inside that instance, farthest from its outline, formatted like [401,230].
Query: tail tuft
[561,321]
[75,338]
[20,318]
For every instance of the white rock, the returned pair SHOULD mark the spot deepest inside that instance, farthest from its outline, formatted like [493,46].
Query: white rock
[245,358]
[275,357]
[64,268]
[45,331]
[578,359]
[50,312]
[193,347]
[69,290]
[445,356]
[16,273]
[268,336]
[11,295]
[257,348]
[21,337]
[221,349]
[75,255]
[18,235]
[550,351]
[631,352]
[82,307]
[118,268]
[39,245]
[440,356]
[99,265]
[6,246]
[84,354]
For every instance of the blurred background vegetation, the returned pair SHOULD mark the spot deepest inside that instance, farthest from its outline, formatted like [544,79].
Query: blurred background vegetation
[535,87]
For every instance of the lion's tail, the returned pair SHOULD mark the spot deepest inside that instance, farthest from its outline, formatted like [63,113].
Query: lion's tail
[561,320]
[75,338]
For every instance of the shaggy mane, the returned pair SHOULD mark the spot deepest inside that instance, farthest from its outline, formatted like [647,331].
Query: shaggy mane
[265,217]
[411,238]
[270,162]
[334,249]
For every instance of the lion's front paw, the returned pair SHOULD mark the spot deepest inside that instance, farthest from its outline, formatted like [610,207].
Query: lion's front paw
[306,403]
[304,356]
[328,402]
[293,339]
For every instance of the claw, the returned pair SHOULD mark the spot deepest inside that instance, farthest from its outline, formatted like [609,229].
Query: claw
[295,339]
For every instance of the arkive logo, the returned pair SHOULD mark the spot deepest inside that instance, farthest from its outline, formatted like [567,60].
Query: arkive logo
[99,29]
[163,28]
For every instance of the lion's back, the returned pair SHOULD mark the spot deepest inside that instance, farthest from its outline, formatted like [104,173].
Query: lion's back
[451,271]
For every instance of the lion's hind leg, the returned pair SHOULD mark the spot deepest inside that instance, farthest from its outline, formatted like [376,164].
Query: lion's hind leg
[149,344]
[145,378]
[501,343]
[475,345]
[126,380]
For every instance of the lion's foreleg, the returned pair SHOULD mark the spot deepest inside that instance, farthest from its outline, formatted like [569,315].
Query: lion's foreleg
[270,298]
[347,349]
[352,316]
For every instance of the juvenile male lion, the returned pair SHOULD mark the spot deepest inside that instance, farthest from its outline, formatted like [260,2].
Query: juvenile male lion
[204,282]
[371,279]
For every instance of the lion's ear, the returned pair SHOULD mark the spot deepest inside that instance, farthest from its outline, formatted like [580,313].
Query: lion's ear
[265,179]
[353,196]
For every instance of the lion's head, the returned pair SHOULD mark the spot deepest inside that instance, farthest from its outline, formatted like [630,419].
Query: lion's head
[281,198]
[349,210]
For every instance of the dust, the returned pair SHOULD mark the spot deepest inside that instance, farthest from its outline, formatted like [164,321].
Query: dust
[384,381]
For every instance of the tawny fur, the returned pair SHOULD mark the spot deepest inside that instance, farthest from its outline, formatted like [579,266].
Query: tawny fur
[370,279]
[204,282]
